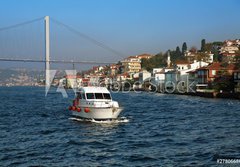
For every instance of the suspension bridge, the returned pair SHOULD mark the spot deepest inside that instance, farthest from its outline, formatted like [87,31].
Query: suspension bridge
[47,59]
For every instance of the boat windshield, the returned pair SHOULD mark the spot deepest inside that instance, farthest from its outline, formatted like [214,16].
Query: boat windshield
[98,96]
[90,95]
[107,96]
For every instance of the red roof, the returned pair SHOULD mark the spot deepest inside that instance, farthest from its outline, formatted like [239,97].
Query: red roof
[72,76]
[182,62]
[144,56]
[85,79]
[193,71]
[218,66]
[124,74]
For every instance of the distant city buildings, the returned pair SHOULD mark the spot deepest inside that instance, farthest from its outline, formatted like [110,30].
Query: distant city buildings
[204,71]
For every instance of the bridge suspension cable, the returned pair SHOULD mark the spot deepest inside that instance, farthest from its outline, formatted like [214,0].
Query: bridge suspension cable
[69,28]
[100,44]
[20,24]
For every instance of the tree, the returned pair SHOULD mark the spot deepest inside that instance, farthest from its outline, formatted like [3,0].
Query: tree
[203,47]
[209,47]
[159,60]
[178,52]
[119,63]
[184,48]
[223,81]
[200,56]
[237,59]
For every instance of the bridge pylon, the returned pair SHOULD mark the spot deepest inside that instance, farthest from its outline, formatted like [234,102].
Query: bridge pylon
[47,52]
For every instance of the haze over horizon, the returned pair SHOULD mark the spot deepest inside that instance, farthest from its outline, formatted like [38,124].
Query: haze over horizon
[130,27]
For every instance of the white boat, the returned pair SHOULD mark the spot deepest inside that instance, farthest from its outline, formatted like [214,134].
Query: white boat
[95,103]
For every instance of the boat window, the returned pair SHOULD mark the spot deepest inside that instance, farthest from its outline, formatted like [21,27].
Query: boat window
[90,96]
[83,96]
[99,96]
[106,96]
[79,95]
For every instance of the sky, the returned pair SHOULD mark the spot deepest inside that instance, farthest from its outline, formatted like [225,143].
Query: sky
[130,27]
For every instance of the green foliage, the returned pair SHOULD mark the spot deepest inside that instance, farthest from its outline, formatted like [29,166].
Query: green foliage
[156,61]
[184,47]
[216,57]
[237,60]
[208,47]
[223,84]
[119,63]
[223,81]
[203,45]
[202,56]
[217,43]
[178,52]
[176,55]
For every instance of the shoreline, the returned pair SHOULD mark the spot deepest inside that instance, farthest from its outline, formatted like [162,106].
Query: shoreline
[213,95]
[223,95]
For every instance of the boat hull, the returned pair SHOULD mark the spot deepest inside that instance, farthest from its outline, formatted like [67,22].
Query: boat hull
[98,113]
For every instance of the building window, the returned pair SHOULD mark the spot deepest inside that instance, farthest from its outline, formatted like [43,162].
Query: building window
[213,72]
[235,75]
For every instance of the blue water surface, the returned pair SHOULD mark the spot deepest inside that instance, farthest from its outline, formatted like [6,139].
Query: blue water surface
[162,130]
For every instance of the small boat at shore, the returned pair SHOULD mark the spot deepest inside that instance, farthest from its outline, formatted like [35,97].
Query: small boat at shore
[95,103]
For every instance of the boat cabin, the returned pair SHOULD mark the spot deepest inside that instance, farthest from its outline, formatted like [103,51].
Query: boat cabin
[94,94]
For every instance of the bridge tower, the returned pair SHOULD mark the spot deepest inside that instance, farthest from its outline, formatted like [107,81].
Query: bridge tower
[47,52]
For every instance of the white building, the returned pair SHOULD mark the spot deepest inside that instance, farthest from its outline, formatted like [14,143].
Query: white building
[159,77]
[228,49]
[131,65]
[179,79]
[143,75]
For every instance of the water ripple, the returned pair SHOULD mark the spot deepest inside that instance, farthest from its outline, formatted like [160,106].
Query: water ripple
[153,130]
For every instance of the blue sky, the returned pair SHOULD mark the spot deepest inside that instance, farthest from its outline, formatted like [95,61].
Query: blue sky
[132,26]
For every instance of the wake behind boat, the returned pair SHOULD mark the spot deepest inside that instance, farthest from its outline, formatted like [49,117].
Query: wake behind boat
[95,103]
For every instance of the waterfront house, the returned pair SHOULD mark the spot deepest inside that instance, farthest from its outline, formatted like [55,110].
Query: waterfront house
[192,80]
[206,75]
[172,79]
[236,79]
[183,76]
[144,75]
[122,77]
[159,77]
